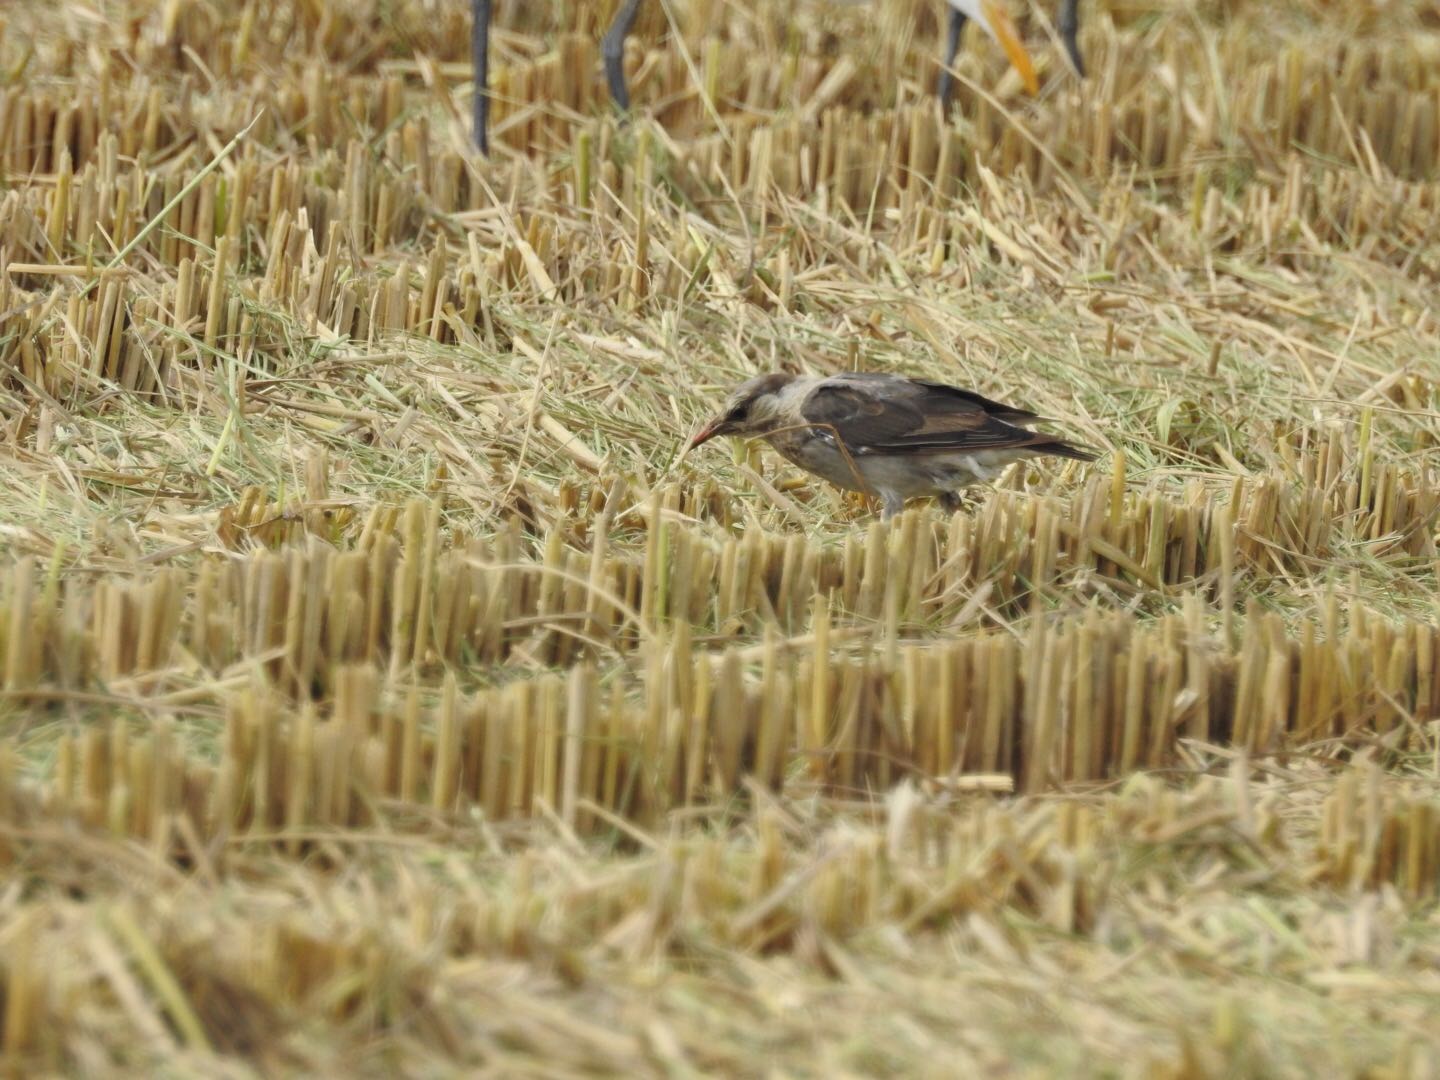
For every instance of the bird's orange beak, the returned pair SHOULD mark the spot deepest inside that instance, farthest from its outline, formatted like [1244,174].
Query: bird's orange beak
[995,19]
[705,434]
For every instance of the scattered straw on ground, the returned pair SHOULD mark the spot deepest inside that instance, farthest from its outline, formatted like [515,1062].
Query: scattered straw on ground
[382,694]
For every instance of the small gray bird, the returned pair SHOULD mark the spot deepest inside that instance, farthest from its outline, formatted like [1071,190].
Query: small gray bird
[885,435]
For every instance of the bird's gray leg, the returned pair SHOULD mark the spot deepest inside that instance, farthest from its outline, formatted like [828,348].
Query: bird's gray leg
[891,504]
[612,47]
[952,47]
[1069,25]
[480,56]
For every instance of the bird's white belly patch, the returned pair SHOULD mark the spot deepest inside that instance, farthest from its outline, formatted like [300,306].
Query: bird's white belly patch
[908,475]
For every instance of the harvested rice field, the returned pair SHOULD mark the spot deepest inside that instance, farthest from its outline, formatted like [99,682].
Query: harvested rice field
[384,693]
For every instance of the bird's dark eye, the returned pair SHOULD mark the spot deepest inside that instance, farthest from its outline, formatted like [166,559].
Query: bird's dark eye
[740,412]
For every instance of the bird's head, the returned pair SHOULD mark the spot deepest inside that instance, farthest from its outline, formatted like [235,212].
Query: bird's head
[753,408]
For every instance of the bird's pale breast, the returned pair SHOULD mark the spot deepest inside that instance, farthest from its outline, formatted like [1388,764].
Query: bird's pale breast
[908,475]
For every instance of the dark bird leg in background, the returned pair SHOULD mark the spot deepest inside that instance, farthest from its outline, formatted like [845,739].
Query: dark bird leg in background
[1069,26]
[480,56]
[612,47]
[952,46]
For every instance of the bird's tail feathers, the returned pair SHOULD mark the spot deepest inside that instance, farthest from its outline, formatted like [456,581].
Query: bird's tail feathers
[1061,448]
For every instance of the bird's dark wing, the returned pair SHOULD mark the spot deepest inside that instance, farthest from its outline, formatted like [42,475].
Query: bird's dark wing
[936,396]
[895,415]
[863,416]
[1009,413]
